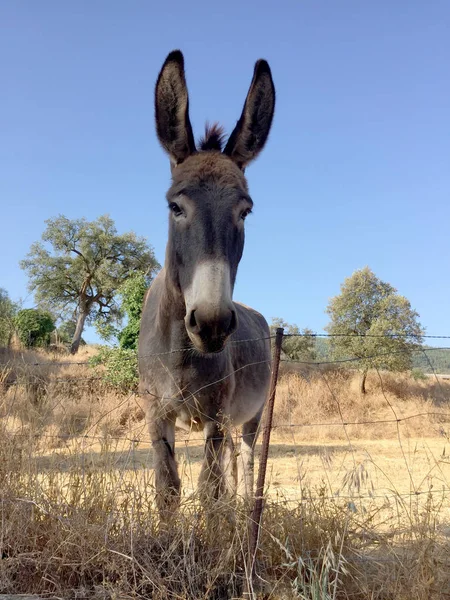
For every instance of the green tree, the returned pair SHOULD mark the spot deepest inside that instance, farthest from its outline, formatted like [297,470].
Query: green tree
[78,269]
[368,306]
[120,364]
[8,310]
[120,367]
[132,293]
[34,327]
[301,346]
[66,332]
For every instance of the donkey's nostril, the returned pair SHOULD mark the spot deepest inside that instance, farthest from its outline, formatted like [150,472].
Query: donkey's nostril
[233,322]
[192,321]
[211,326]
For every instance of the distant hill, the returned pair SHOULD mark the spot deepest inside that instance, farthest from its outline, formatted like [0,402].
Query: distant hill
[439,358]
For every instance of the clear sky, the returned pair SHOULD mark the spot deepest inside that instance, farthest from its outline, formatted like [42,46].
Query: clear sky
[356,171]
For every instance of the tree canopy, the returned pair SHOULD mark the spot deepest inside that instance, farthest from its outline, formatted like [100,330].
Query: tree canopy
[301,346]
[8,310]
[132,293]
[79,266]
[371,321]
[34,327]
[66,331]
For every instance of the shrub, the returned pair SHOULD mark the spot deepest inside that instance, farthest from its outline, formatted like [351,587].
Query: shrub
[133,293]
[129,335]
[8,310]
[418,374]
[34,327]
[120,367]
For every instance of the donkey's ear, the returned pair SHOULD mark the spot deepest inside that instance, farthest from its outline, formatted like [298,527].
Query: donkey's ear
[252,129]
[172,110]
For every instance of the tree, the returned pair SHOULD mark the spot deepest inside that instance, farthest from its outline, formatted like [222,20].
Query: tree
[34,327]
[132,293]
[8,310]
[66,332]
[368,306]
[120,367]
[79,267]
[120,364]
[299,347]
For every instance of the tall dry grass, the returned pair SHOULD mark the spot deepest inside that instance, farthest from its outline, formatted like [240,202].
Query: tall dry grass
[73,527]
[93,533]
[310,401]
[54,397]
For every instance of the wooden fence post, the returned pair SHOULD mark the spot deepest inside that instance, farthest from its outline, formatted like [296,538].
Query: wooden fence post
[255,518]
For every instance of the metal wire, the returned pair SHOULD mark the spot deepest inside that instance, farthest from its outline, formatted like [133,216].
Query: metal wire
[369,335]
[358,358]
[280,426]
[288,360]
[76,444]
[140,440]
[150,355]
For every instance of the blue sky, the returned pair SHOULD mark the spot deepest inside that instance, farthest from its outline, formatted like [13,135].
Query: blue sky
[356,170]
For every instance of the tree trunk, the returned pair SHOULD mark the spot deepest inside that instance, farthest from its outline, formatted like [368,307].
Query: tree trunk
[362,386]
[78,331]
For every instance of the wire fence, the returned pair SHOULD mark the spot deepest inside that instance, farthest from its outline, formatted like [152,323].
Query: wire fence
[349,483]
[34,377]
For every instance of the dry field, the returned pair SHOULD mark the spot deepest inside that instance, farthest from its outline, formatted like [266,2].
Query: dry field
[357,511]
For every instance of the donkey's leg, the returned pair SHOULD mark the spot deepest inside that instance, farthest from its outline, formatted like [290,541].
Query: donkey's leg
[229,465]
[250,432]
[167,481]
[218,474]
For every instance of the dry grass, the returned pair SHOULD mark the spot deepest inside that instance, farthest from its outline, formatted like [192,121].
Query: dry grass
[59,399]
[333,396]
[341,520]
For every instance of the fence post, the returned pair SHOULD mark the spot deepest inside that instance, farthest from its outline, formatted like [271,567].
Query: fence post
[255,518]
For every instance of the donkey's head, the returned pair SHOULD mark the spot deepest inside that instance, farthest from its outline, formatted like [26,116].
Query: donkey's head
[208,199]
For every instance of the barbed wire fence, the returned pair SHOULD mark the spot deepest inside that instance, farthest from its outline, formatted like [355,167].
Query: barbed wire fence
[87,438]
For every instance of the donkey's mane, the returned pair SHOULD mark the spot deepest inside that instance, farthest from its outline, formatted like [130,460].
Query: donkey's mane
[214,137]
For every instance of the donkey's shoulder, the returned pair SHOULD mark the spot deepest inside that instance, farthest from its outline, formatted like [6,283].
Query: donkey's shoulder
[243,309]
[251,322]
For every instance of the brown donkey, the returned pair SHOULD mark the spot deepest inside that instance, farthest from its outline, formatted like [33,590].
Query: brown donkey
[199,368]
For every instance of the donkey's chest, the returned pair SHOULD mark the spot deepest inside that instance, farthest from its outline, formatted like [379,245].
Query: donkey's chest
[226,387]
[199,393]
[220,395]
[236,410]
[196,393]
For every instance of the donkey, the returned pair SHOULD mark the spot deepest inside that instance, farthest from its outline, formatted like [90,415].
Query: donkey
[199,364]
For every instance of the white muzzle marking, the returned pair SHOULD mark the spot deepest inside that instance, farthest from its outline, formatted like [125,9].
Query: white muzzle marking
[210,288]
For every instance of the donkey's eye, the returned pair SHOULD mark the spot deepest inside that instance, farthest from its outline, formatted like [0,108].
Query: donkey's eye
[177,211]
[245,213]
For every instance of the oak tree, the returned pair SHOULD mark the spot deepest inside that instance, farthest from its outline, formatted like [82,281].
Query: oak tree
[79,266]
[297,344]
[371,321]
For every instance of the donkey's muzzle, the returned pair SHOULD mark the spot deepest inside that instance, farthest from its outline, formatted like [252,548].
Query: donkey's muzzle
[209,332]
